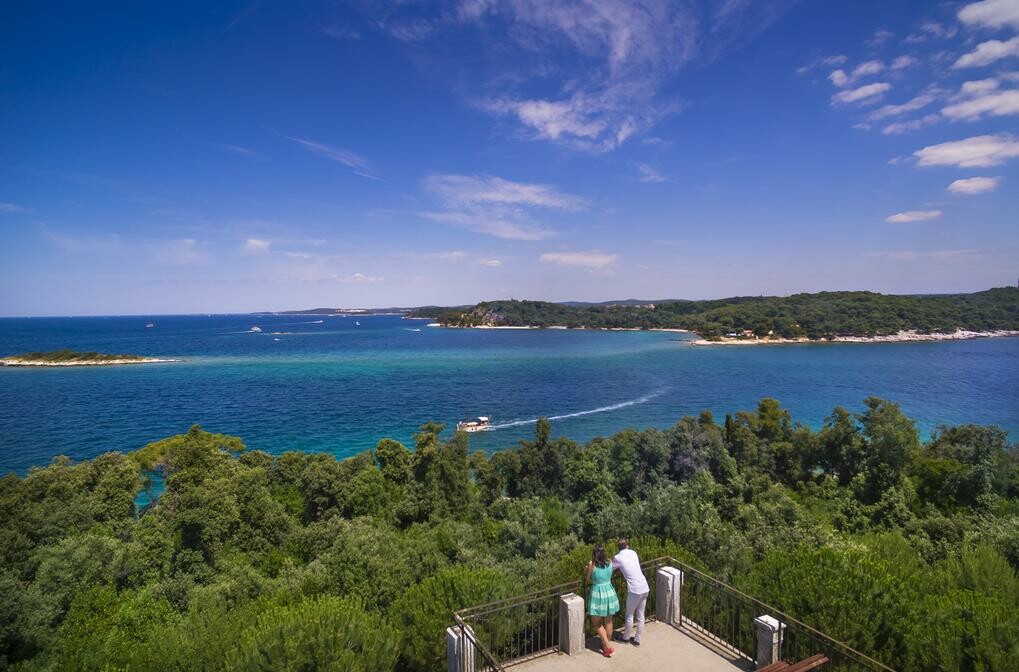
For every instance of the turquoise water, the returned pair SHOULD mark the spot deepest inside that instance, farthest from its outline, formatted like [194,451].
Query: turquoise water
[327,384]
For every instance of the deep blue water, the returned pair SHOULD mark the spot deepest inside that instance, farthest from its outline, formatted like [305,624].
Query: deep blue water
[326,384]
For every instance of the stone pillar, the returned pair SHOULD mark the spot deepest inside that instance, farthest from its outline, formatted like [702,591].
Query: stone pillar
[571,624]
[769,639]
[459,650]
[668,596]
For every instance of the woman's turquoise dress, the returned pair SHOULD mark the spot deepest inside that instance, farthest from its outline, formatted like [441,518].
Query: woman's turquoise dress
[602,600]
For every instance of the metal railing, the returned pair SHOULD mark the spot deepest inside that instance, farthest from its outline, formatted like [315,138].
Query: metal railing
[515,629]
[506,632]
[726,616]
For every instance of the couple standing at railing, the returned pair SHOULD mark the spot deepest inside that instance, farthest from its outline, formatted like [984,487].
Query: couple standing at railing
[602,601]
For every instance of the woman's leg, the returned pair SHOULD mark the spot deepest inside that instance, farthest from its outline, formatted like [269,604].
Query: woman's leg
[602,634]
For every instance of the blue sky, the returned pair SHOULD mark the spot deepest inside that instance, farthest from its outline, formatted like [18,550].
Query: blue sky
[239,156]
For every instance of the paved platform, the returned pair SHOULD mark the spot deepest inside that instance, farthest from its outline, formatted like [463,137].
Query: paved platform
[662,648]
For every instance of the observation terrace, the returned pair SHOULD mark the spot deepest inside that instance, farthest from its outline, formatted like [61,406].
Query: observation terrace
[695,624]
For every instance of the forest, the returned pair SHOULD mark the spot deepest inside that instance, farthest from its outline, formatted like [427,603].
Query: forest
[905,547]
[815,316]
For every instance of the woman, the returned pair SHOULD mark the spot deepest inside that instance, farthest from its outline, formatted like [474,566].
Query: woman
[602,602]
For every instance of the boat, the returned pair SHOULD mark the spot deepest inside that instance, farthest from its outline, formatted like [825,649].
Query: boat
[150,325]
[479,424]
[357,324]
[255,329]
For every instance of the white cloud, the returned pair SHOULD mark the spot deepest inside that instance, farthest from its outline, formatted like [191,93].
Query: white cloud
[899,127]
[839,78]
[996,104]
[624,53]
[868,68]
[462,190]
[977,152]
[357,164]
[988,52]
[492,225]
[358,278]
[931,29]
[657,142]
[880,37]
[255,246]
[868,93]
[902,62]
[649,173]
[491,263]
[922,100]
[593,261]
[11,207]
[974,185]
[991,13]
[979,86]
[913,216]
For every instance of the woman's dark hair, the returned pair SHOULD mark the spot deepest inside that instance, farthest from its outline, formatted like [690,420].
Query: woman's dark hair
[600,557]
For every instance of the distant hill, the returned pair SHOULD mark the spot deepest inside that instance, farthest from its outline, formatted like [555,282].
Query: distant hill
[816,316]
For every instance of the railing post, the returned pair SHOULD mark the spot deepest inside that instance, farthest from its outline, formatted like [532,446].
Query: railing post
[571,624]
[459,650]
[769,639]
[668,596]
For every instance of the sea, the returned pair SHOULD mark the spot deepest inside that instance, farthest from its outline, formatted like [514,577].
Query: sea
[339,384]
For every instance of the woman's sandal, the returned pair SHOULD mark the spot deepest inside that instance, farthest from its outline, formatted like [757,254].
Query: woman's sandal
[608,652]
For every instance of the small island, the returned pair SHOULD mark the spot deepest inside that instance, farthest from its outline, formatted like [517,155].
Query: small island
[74,358]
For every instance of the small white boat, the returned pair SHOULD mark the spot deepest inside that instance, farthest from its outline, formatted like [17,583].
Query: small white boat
[357,324]
[255,329]
[479,424]
[150,325]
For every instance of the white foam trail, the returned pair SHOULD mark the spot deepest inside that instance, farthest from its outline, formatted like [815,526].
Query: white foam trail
[602,409]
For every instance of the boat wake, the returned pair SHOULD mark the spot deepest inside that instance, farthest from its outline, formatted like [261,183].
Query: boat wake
[601,409]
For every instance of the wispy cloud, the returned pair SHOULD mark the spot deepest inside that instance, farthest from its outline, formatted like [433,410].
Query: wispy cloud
[358,278]
[649,173]
[241,151]
[180,252]
[492,225]
[903,62]
[913,216]
[357,164]
[623,54]
[899,127]
[592,261]
[916,103]
[489,189]
[988,52]
[841,79]
[971,186]
[11,207]
[255,246]
[991,14]
[866,94]
[976,152]
[496,206]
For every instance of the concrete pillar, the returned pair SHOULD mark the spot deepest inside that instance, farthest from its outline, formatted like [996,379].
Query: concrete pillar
[769,639]
[571,624]
[459,650]
[668,596]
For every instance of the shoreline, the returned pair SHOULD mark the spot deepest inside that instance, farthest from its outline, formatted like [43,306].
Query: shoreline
[86,362]
[907,336]
[558,327]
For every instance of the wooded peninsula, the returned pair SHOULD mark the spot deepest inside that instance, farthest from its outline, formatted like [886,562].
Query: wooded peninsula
[820,316]
[904,549]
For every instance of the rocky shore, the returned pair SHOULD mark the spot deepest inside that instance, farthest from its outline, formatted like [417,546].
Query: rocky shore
[909,336]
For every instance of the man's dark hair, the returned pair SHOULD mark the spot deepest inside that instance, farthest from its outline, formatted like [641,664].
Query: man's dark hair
[623,543]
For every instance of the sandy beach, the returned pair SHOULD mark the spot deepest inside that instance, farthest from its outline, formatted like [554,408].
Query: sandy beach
[86,362]
[910,336]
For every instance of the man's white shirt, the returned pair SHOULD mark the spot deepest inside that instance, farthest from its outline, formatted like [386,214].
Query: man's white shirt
[627,562]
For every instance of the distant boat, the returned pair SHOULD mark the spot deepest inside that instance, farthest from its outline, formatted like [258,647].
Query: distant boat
[149,325]
[357,324]
[255,329]
[405,329]
[480,424]
[275,339]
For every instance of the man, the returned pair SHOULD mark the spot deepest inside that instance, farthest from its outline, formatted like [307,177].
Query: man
[628,564]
